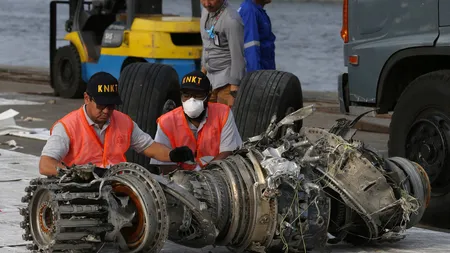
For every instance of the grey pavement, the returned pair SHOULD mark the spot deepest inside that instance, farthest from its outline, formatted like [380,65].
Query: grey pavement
[19,166]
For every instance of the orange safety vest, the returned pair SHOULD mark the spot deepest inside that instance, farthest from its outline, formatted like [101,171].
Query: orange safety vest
[175,125]
[85,146]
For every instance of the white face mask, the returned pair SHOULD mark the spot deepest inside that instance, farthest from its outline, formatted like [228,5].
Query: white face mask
[193,107]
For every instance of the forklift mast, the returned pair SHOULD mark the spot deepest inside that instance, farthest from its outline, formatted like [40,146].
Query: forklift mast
[74,5]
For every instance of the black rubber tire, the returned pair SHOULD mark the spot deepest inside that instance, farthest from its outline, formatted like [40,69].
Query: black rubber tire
[144,88]
[263,93]
[429,90]
[75,87]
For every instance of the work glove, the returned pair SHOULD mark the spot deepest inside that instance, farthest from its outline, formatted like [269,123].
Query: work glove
[181,155]
[99,171]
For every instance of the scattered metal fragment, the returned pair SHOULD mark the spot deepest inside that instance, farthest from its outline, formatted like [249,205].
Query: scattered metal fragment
[12,144]
[30,119]
[273,195]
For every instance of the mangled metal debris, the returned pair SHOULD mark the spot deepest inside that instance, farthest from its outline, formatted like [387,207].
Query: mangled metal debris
[276,194]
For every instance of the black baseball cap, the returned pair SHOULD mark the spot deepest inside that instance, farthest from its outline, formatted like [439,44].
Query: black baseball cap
[104,88]
[196,81]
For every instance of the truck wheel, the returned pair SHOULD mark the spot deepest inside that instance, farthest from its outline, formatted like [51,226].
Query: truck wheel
[147,91]
[420,131]
[262,94]
[67,78]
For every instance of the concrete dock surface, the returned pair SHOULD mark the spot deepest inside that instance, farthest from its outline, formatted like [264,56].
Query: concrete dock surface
[38,108]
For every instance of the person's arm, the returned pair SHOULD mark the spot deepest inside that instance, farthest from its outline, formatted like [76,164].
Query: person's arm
[54,151]
[230,139]
[48,166]
[203,61]
[163,167]
[161,137]
[202,27]
[158,151]
[234,31]
[252,49]
[143,143]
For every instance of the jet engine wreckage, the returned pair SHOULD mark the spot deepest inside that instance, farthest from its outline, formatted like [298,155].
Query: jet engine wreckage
[275,194]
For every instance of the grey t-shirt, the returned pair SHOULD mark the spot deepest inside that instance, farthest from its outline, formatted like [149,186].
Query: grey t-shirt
[230,139]
[58,143]
[224,63]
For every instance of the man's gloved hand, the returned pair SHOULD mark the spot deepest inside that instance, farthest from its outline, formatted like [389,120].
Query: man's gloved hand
[181,154]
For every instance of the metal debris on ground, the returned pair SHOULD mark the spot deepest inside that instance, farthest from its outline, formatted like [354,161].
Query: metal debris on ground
[12,144]
[281,192]
[30,119]
[8,126]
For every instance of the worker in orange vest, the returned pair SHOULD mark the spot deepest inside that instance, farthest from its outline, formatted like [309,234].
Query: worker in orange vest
[97,133]
[206,128]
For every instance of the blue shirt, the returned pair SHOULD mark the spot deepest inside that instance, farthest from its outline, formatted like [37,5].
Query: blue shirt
[259,41]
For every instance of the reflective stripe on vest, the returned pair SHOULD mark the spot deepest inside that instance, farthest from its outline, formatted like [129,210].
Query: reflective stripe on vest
[85,146]
[175,126]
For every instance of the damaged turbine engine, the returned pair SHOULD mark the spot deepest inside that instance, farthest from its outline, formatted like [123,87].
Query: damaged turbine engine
[276,194]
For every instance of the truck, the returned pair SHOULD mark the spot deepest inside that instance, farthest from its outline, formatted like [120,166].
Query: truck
[397,57]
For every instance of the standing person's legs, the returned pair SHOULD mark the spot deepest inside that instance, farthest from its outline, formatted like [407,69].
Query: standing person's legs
[213,97]
[222,95]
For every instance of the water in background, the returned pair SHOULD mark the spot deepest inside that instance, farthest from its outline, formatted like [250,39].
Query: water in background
[308,41]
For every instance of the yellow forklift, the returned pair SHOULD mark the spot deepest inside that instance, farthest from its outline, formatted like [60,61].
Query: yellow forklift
[108,35]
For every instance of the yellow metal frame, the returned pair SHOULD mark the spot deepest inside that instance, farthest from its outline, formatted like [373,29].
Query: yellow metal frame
[74,38]
[149,37]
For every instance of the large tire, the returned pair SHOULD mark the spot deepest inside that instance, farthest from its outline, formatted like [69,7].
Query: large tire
[262,94]
[146,90]
[420,131]
[67,77]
